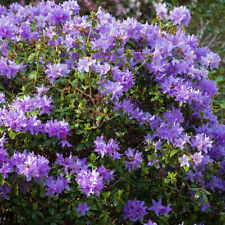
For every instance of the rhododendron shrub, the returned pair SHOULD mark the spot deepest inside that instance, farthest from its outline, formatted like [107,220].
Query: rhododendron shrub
[105,121]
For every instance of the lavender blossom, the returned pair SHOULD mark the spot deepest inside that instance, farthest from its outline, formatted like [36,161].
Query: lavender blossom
[159,209]
[90,182]
[150,223]
[56,70]
[100,146]
[161,10]
[82,208]
[202,142]
[184,161]
[56,186]
[135,159]
[180,16]
[197,158]
[135,210]
[2,98]
[84,64]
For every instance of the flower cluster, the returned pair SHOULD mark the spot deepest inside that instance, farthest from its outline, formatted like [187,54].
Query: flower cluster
[135,210]
[55,71]
[111,148]
[159,209]
[9,68]
[27,164]
[82,208]
[135,159]
[90,182]
[56,186]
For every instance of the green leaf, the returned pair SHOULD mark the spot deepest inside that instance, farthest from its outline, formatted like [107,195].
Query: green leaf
[51,211]
[222,105]
[166,180]
[16,189]
[32,56]
[186,168]
[81,76]
[194,189]
[99,117]
[12,134]
[204,197]
[219,79]
[53,223]
[145,171]
[172,153]
[93,157]
[93,207]
[106,194]
[35,206]
[33,75]
[120,192]
[197,195]
[2,181]
[118,43]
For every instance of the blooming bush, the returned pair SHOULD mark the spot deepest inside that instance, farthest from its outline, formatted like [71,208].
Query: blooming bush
[106,121]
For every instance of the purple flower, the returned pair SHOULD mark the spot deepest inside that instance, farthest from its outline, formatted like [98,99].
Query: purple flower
[65,143]
[90,182]
[173,116]
[184,161]
[149,139]
[4,190]
[100,146]
[7,27]
[202,142]
[56,128]
[161,10]
[71,5]
[211,59]
[204,207]
[112,149]
[58,15]
[6,168]
[9,68]
[107,175]
[218,183]
[84,64]
[56,186]
[28,104]
[115,88]
[208,87]
[180,16]
[197,158]
[30,165]
[124,78]
[82,208]
[42,90]
[169,132]
[59,159]
[101,69]
[135,159]
[3,154]
[159,209]
[153,162]
[150,223]
[72,163]
[55,71]
[25,31]
[134,210]
[2,98]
